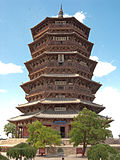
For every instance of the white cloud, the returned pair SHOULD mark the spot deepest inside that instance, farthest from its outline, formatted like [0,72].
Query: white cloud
[102,68]
[8,111]
[10,68]
[110,98]
[3,91]
[80,16]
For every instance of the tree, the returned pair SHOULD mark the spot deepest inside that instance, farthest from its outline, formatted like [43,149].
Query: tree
[21,150]
[10,128]
[103,152]
[40,135]
[89,128]
[3,157]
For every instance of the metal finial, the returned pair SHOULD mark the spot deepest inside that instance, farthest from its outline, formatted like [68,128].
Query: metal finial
[60,15]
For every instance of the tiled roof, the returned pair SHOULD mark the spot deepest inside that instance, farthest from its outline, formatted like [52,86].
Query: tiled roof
[22,117]
[60,101]
[57,114]
[91,103]
[46,114]
[28,104]
[112,141]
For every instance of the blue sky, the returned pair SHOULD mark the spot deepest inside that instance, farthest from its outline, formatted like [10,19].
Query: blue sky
[16,19]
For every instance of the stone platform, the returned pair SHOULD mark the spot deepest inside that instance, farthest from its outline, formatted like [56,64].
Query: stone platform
[10,142]
[66,149]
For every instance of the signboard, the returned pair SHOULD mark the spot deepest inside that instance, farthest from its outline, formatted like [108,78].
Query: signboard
[59,122]
[60,109]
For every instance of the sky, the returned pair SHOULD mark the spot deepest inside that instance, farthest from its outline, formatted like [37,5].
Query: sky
[16,19]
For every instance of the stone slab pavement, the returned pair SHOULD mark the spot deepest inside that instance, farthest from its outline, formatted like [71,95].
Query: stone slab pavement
[70,157]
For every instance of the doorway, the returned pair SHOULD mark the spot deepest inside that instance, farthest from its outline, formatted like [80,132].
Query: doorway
[62,132]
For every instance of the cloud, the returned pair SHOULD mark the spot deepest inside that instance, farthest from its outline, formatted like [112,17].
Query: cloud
[10,68]
[109,97]
[3,91]
[80,16]
[8,111]
[102,68]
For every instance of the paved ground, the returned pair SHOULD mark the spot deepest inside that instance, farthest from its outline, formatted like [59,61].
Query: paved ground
[70,157]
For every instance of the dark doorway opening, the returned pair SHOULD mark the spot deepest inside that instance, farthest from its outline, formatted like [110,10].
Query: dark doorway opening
[62,132]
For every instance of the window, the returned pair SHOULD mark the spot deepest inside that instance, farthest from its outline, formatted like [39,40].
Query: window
[60,82]
[60,22]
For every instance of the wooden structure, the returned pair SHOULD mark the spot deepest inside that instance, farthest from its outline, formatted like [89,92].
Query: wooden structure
[60,73]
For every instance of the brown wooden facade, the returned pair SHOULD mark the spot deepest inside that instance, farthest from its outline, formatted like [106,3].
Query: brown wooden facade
[60,73]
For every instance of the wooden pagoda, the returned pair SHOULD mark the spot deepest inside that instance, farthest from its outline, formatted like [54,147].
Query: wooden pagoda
[60,73]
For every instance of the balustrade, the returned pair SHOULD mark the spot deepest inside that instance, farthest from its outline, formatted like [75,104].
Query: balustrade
[83,70]
[56,64]
[65,88]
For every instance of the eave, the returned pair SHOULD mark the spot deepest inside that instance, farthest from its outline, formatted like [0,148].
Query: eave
[57,101]
[95,85]
[59,19]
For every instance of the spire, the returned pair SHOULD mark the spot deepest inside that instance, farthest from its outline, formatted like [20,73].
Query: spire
[60,15]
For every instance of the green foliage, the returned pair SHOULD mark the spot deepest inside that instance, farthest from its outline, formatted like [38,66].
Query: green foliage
[22,145]
[40,135]
[103,151]
[89,128]
[10,128]
[22,150]
[3,157]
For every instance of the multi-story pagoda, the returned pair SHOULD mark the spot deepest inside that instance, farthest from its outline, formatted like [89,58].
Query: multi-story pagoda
[60,73]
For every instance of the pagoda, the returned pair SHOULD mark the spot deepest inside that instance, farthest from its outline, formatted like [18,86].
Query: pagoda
[60,74]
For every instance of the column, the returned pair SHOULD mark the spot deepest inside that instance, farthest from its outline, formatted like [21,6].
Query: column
[16,132]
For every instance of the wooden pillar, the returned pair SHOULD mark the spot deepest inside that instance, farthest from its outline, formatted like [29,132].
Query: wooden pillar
[66,130]
[22,132]
[16,132]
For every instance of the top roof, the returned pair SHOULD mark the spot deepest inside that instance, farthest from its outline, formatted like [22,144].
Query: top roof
[61,18]
[55,18]
[60,15]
